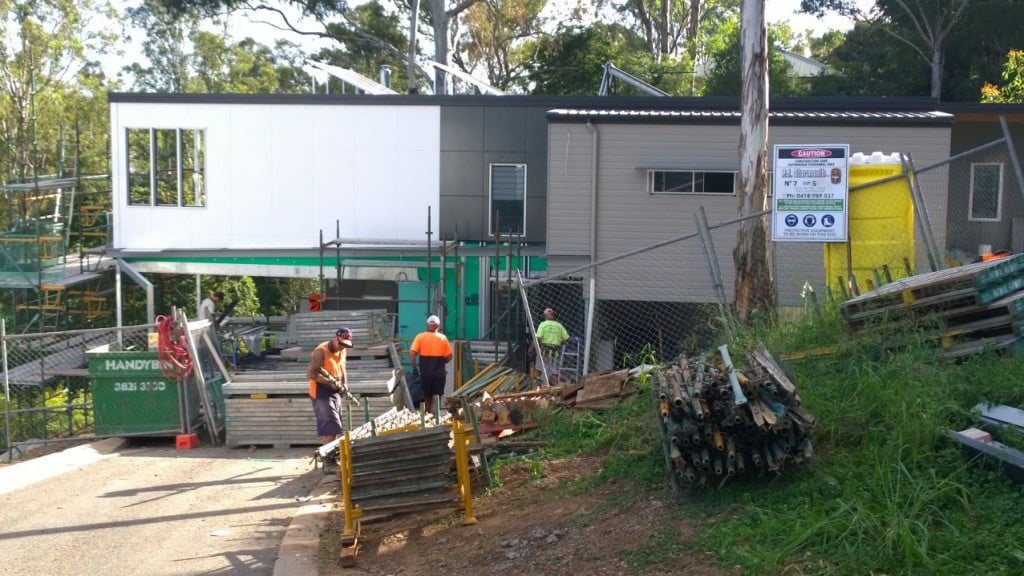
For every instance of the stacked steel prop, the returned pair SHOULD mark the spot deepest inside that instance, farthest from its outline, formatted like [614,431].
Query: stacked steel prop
[718,422]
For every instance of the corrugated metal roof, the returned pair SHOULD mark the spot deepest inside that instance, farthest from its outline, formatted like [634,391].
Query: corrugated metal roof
[701,115]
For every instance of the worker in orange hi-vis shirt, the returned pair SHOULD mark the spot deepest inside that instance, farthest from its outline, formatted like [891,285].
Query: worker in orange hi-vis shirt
[434,351]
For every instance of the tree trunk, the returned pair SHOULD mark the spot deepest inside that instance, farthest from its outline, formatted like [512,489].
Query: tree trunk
[754,288]
[938,59]
[693,27]
[665,25]
[440,20]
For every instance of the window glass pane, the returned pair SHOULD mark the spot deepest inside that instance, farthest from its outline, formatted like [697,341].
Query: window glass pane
[167,167]
[672,182]
[139,192]
[193,168]
[508,198]
[718,182]
[985,180]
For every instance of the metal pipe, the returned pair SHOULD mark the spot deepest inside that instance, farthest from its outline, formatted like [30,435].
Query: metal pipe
[592,283]
[1014,161]
[738,397]
[7,389]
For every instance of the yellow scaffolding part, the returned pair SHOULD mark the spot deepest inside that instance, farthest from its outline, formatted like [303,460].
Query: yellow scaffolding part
[353,514]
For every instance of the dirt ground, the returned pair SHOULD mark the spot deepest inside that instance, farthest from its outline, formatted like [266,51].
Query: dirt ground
[535,523]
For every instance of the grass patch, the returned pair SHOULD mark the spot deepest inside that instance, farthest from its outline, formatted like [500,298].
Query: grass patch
[887,491]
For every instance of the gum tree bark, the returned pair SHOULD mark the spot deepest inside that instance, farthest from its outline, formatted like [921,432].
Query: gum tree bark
[753,288]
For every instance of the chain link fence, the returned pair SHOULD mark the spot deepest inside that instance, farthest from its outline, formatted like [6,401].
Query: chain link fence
[47,389]
[674,297]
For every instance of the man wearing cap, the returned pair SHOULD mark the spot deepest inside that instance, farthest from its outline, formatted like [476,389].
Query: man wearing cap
[434,351]
[327,382]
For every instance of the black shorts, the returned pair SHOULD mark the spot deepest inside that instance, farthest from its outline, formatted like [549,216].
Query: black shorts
[432,384]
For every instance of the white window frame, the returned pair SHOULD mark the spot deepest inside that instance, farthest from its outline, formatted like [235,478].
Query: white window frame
[198,171]
[490,194]
[999,194]
[651,179]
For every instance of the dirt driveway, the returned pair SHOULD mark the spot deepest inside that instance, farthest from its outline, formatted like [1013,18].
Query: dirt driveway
[157,511]
[535,523]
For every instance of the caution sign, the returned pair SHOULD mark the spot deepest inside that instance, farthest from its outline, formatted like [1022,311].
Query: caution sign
[811,192]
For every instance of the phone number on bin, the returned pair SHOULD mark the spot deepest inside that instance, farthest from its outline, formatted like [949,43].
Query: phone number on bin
[139,386]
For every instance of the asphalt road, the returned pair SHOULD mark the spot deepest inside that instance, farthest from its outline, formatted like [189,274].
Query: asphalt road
[149,509]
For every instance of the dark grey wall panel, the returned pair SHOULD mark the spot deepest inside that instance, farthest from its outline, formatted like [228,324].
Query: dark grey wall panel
[474,137]
[505,129]
[460,128]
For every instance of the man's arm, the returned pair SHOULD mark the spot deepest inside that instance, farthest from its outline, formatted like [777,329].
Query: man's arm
[316,361]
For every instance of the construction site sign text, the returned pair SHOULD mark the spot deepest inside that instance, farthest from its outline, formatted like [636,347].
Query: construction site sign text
[811,192]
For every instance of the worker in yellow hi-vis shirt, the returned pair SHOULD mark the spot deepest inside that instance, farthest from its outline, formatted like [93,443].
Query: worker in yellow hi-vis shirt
[551,336]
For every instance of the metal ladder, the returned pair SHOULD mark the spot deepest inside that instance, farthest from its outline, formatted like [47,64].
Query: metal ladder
[569,362]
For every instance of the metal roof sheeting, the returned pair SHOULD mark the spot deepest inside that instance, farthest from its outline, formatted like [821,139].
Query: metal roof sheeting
[732,116]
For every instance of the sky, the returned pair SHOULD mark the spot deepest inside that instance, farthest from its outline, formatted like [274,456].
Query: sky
[244,24]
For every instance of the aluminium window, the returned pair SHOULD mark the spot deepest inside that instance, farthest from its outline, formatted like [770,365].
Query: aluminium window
[690,182]
[507,211]
[166,167]
[986,191]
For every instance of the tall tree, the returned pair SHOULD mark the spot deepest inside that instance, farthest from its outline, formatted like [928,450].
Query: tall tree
[868,62]
[165,46]
[725,59]
[753,281]
[570,62]
[46,45]
[330,16]
[495,36]
[924,25]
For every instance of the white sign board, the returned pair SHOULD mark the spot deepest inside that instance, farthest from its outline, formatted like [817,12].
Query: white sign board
[811,194]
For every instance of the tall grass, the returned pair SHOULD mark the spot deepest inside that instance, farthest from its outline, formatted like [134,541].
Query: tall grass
[887,492]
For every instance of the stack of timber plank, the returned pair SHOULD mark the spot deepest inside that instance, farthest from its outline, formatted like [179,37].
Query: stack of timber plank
[273,406]
[974,307]
[711,431]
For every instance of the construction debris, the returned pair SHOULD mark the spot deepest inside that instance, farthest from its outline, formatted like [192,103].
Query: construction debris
[718,422]
[597,391]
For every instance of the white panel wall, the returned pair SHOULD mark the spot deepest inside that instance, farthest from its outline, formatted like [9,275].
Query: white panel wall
[277,174]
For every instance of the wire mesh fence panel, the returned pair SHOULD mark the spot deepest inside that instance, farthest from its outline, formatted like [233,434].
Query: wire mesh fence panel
[984,210]
[650,305]
[48,392]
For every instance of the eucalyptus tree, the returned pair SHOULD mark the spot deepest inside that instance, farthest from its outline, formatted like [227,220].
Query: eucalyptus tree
[571,61]
[165,46]
[724,76]
[46,45]
[673,29]
[495,36]
[753,284]
[923,25]
[328,17]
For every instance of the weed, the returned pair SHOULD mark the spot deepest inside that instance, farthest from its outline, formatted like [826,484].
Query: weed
[664,544]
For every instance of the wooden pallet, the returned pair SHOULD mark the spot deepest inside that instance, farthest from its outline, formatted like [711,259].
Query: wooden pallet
[986,281]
